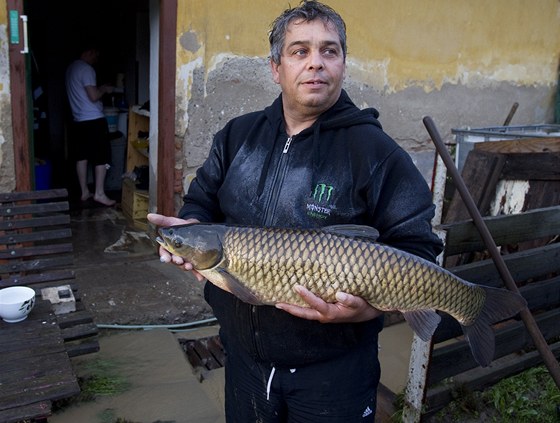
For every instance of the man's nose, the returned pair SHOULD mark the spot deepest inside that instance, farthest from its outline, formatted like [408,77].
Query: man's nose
[316,60]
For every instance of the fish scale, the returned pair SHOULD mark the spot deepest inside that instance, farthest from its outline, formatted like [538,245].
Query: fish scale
[262,266]
[269,262]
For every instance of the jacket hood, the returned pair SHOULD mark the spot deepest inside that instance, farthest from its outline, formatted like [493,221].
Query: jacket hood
[343,114]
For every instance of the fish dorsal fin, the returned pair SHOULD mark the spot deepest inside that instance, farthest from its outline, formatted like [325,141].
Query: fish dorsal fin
[354,231]
[423,322]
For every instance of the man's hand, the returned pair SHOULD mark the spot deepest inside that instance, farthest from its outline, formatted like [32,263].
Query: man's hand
[164,255]
[349,308]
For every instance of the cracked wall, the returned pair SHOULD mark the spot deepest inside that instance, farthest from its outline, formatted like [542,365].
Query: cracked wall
[462,63]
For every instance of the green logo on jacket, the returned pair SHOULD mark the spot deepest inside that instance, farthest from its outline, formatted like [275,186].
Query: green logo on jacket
[321,195]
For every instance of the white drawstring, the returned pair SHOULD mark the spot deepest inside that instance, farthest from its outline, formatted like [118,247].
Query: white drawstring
[270,383]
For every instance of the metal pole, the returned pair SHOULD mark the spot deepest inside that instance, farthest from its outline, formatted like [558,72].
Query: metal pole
[548,357]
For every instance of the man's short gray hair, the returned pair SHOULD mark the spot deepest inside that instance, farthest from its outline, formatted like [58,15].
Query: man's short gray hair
[307,11]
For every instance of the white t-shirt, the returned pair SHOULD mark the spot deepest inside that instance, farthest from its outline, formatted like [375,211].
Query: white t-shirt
[78,76]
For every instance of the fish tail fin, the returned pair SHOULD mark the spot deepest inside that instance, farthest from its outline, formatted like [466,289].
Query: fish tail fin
[500,304]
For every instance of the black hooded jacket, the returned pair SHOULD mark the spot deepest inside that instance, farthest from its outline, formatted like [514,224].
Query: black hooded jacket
[343,169]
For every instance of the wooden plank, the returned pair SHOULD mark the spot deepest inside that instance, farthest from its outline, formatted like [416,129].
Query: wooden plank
[36,251]
[15,210]
[62,276]
[522,265]
[79,331]
[29,368]
[78,317]
[542,295]
[13,353]
[35,265]
[75,349]
[193,356]
[481,173]
[452,359]
[542,194]
[6,197]
[208,360]
[532,166]
[521,145]
[37,410]
[34,222]
[507,229]
[217,349]
[53,386]
[35,236]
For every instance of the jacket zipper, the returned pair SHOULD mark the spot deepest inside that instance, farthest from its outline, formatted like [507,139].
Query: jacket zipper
[276,183]
[287,145]
[269,213]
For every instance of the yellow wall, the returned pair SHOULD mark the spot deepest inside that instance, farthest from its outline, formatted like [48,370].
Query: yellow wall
[401,43]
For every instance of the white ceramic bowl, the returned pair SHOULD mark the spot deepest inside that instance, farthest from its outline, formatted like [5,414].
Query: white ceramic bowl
[16,302]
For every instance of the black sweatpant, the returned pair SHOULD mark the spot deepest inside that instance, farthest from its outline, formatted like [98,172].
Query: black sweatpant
[342,390]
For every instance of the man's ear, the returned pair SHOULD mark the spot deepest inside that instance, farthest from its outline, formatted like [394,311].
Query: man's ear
[274,70]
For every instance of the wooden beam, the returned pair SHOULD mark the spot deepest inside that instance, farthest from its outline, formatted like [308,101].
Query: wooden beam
[505,229]
[20,107]
[532,166]
[521,145]
[166,107]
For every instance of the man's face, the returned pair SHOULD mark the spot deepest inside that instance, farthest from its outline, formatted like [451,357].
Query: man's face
[91,56]
[312,68]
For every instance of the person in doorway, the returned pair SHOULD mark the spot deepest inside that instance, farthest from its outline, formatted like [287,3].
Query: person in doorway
[268,168]
[89,132]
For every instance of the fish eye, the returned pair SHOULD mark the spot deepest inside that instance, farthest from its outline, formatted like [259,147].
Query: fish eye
[177,243]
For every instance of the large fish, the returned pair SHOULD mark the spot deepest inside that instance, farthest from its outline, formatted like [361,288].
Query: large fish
[262,266]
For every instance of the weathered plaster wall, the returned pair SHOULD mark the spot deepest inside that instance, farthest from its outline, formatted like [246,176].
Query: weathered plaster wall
[463,63]
[7,170]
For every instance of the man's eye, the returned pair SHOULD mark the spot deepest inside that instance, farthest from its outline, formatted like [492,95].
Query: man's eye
[300,52]
[330,52]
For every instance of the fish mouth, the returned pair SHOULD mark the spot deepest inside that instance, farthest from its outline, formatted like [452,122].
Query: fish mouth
[161,241]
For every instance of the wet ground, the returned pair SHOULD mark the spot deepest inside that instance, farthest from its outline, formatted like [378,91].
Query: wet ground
[119,275]
[122,282]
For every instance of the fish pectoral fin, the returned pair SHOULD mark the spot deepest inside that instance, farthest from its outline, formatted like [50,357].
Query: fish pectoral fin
[354,231]
[423,322]
[232,285]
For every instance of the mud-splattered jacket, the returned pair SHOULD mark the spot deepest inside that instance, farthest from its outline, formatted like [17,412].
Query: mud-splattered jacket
[343,169]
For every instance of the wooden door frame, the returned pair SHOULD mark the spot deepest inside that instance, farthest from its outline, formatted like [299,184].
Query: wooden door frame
[166,104]
[20,104]
[166,107]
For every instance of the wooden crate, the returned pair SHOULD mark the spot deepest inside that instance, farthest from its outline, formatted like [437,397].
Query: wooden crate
[135,204]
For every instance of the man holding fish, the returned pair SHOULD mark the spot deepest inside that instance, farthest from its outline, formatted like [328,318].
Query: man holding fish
[312,159]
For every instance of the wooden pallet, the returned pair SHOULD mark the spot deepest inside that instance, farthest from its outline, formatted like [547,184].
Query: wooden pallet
[204,353]
[36,251]
[529,241]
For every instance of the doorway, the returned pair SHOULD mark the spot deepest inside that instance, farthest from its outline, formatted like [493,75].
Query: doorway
[57,28]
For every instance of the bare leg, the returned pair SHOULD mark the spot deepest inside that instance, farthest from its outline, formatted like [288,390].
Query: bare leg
[81,170]
[99,196]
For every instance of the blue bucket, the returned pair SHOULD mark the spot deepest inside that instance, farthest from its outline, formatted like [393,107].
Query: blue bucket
[43,174]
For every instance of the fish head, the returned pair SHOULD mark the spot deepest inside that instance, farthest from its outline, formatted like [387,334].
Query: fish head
[197,244]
